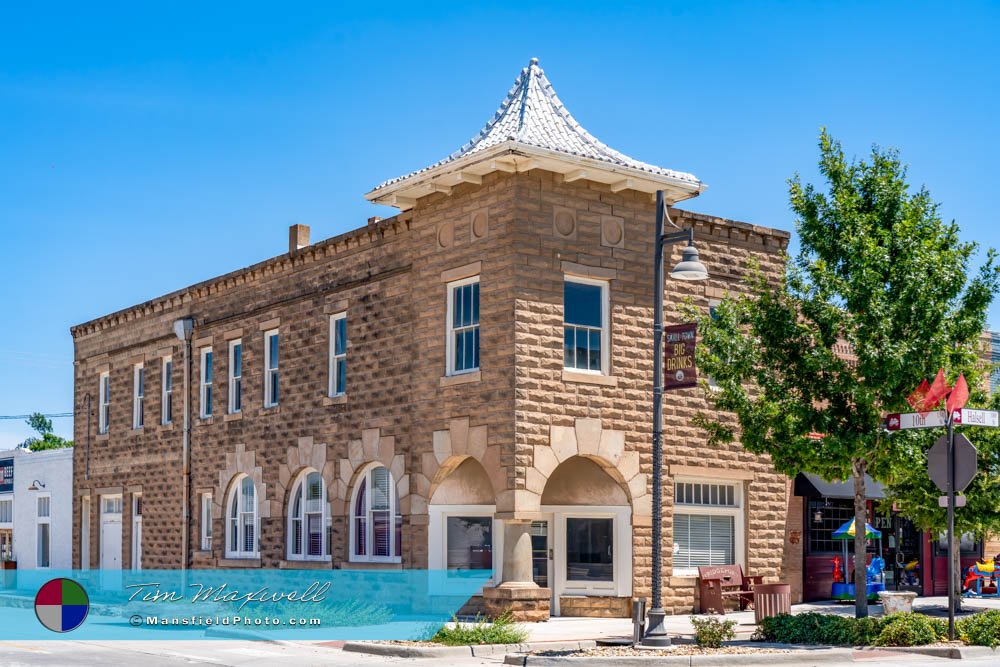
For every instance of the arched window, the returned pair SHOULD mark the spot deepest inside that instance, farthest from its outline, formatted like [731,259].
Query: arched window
[376,524]
[307,519]
[241,538]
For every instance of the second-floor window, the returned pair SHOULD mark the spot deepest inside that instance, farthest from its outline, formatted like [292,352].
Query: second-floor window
[235,376]
[167,395]
[585,330]
[271,369]
[463,326]
[206,382]
[338,354]
[104,403]
[138,395]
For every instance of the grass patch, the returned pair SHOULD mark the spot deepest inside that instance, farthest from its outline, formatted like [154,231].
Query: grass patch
[503,630]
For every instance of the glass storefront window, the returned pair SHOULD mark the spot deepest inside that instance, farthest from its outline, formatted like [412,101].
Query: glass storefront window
[470,543]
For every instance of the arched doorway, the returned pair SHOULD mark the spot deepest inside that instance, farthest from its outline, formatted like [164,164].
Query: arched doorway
[582,543]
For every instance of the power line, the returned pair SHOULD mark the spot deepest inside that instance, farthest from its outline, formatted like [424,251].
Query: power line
[54,415]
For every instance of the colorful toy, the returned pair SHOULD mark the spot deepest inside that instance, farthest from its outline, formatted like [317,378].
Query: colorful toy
[981,580]
[874,573]
[838,574]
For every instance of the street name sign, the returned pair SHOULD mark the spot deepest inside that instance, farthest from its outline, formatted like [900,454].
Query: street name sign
[965,462]
[959,501]
[905,420]
[968,417]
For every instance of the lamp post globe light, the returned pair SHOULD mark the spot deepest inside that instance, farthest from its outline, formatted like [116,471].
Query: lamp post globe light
[689,268]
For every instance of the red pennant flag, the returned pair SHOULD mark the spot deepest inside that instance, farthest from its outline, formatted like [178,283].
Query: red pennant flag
[916,399]
[939,390]
[959,395]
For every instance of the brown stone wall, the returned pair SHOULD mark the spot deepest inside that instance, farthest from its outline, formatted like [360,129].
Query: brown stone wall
[586,229]
[595,606]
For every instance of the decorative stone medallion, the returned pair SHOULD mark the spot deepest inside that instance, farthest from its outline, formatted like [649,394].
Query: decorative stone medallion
[564,222]
[446,234]
[479,222]
[612,231]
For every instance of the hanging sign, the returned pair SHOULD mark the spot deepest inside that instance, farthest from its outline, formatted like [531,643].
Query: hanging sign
[6,475]
[678,356]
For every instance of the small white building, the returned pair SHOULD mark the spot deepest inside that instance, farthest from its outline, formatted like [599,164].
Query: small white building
[36,508]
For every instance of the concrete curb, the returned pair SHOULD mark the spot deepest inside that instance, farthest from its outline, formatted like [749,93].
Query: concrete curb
[797,656]
[952,652]
[478,651]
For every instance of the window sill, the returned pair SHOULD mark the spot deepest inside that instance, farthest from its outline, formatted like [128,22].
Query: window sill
[339,399]
[325,564]
[684,579]
[270,409]
[239,562]
[205,420]
[101,437]
[233,416]
[589,378]
[461,378]
[169,426]
[371,565]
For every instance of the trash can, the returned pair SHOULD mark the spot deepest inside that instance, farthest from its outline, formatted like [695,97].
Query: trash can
[897,601]
[771,600]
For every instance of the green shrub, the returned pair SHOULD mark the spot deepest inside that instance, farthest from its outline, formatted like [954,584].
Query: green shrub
[834,630]
[502,630]
[711,632]
[981,629]
[907,629]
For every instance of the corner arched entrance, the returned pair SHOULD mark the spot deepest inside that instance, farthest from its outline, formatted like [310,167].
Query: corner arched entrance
[582,541]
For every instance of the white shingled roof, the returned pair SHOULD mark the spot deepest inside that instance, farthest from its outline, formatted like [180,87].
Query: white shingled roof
[532,122]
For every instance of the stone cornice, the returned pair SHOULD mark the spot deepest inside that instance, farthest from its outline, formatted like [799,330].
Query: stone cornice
[367,235]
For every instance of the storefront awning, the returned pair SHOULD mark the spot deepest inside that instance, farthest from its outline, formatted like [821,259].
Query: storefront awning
[809,484]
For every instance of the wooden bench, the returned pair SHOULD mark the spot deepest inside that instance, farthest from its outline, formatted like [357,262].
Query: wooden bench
[719,583]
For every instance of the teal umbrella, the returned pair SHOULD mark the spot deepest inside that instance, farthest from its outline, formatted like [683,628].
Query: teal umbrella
[846,532]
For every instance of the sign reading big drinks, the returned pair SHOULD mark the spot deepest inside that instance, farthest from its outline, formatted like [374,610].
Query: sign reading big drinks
[678,356]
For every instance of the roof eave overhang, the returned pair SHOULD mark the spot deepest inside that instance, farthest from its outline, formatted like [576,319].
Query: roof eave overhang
[516,157]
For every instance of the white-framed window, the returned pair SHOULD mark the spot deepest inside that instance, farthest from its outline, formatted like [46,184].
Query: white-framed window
[307,519]
[167,392]
[338,354]
[205,384]
[43,542]
[464,537]
[111,504]
[138,395]
[243,528]
[463,326]
[708,525]
[235,376]
[271,346]
[376,523]
[104,403]
[6,512]
[206,522]
[586,333]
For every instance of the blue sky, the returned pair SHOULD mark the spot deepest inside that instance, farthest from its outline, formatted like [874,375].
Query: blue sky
[144,148]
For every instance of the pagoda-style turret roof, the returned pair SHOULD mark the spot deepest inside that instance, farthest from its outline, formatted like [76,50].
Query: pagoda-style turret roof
[532,129]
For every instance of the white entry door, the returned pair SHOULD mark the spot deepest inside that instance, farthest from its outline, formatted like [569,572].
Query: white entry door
[111,532]
[137,532]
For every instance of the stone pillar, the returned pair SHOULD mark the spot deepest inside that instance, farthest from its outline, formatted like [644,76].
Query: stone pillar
[517,592]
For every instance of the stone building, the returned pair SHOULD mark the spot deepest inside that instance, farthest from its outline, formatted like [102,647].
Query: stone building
[467,384]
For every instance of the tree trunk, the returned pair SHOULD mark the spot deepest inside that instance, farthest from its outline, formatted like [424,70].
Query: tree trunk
[860,541]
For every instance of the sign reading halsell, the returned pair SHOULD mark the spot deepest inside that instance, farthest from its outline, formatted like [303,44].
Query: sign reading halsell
[963,417]
[678,356]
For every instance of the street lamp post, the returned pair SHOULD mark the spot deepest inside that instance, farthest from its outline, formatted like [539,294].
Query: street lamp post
[689,268]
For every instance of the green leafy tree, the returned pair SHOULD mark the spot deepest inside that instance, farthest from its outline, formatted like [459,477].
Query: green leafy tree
[46,439]
[877,298]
